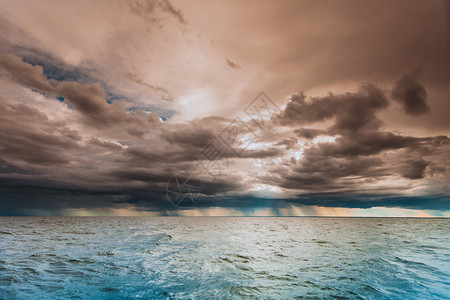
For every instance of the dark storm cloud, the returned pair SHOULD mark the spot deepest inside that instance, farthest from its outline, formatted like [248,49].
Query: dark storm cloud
[358,148]
[136,174]
[357,200]
[143,175]
[250,203]
[28,135]
[90,100]
[23,196]
[209,186]
[7,168]
[189,135]
[141,155]
[177,143]
[272,152]
[308,133]
[414,169]
[317,172]
[189,143]
[353,111]
[13,68]
[355,122]
[411,94]
[366,144]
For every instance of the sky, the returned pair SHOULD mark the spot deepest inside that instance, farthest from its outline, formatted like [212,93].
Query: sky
[214,108]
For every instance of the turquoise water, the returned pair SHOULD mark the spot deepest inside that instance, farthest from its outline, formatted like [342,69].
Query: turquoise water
[224,258]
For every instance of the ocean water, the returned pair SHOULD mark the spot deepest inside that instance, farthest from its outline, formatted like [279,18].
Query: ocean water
[224,258]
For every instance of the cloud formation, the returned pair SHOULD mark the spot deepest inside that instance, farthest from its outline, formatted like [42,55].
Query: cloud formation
[86,122]
[141,153]
[411,94]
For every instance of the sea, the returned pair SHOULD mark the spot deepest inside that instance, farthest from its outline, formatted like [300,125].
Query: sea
[224,258]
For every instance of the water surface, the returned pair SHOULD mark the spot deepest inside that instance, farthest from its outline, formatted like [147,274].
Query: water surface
[224,258]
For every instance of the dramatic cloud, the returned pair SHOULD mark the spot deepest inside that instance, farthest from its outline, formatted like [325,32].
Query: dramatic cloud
[354,112]
[14,69]
[28,135]
[411,94]
[355,153]
[414,169]
[102,104]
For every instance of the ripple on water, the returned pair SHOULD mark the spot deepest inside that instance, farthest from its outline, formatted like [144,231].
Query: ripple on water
[223,258]
[245,291]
